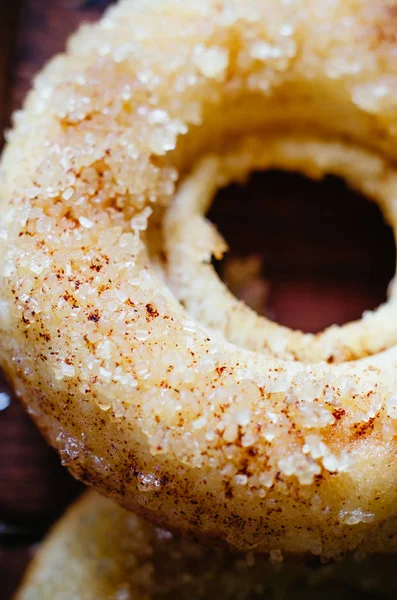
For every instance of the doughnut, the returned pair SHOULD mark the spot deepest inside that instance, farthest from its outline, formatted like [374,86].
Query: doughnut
[99,550]
[153,383]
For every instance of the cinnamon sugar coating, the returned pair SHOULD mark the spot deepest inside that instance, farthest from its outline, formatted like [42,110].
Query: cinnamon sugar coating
[153,403]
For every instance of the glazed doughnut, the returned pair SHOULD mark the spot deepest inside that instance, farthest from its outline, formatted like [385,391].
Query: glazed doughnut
[99,550]
[234,428]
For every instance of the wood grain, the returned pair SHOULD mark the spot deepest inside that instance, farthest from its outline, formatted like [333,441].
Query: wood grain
[327,252]
[327,257]
[9,14]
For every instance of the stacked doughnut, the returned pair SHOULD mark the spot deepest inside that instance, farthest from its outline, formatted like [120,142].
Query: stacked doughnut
[99,550]
[154,383]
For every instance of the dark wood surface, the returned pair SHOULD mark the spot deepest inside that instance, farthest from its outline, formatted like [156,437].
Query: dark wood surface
[327,257]
[9,13]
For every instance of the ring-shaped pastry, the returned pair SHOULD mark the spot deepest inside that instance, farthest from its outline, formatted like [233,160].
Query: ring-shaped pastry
[143,400]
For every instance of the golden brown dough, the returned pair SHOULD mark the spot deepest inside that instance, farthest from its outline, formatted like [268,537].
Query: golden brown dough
[99,551]
[160,406]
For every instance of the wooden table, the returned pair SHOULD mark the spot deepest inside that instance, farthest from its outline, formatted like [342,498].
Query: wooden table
[325,262]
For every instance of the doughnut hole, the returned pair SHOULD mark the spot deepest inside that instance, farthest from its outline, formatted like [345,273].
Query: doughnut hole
[306,254]
[192,239]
